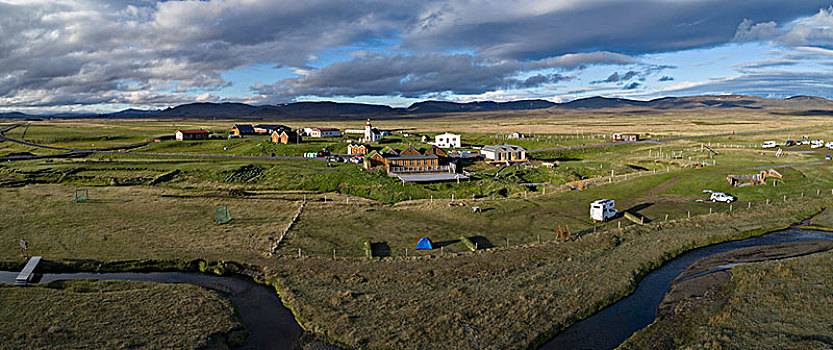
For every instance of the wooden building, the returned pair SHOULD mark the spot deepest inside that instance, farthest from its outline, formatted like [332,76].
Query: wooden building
[504,153]
[242,129]
[286,137]
[355,148]
[268,128]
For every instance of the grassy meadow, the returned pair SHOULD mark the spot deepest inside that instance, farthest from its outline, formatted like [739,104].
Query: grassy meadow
[111,314]
[161,209]
[768,305]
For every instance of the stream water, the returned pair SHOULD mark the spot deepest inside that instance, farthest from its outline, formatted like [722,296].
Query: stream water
[613,325]
[272,326]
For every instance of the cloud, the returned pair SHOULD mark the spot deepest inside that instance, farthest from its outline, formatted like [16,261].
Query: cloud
[616,77]
[768,63]
[771,84]
[530,29]
[418,76]
[665,78]
[631,86]
[816,30]
[156,53]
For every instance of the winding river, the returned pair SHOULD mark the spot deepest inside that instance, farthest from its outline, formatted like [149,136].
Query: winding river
[272,326]
[613,325]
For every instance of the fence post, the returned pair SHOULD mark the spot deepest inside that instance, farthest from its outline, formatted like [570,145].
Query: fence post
[785,198]
[620,224]
[710,210]
[689,214]
[507,242]
[748,205]
[406,252]
[299,252]
[666,217]
[730,207]
[334,254]
[539,238]
[767,201]
[442,251]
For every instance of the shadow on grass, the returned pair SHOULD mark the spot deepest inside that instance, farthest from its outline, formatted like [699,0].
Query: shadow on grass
[441,244]
[482,242]
[380,250]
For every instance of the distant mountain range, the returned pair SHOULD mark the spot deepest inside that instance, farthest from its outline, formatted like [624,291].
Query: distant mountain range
[353,111]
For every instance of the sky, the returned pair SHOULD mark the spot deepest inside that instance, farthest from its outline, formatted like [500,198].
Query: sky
[109,55]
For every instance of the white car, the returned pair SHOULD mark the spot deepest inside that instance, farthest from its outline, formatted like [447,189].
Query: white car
[721,197]
[829,145]
[817,144]
[769,144]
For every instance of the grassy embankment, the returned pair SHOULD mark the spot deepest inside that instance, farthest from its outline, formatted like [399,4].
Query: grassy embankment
[110,314]
[769,305]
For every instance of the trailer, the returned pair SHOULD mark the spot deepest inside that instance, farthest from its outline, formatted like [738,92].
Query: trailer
[603,210]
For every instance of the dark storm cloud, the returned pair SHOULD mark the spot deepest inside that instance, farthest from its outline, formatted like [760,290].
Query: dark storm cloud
[80,52]
[666,78]
[420,75]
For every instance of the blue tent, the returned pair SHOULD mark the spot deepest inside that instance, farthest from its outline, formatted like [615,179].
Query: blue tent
[424,243]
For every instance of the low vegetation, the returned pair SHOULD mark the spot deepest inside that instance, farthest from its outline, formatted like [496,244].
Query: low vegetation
[769,305]
[111,314]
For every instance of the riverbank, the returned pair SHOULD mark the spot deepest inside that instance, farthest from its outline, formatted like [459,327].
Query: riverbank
[765,297]
[352,302]
[117,314]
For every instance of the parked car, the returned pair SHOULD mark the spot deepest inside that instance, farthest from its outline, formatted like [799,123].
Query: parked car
[789,143]
[323,153]
[721,197]
[829,145]
[768,144]
[817,144]
[827,157]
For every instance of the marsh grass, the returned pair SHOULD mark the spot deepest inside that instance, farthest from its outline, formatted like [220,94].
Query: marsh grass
[114,314]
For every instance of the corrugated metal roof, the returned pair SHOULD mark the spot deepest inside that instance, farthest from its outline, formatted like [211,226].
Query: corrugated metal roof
[432,177]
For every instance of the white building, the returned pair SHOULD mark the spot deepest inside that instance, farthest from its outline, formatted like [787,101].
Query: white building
[517,135]
[504,153]
[371,134]
[447,140]
[322,132]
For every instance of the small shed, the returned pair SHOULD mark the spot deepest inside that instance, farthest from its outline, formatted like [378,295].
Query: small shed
[424,244]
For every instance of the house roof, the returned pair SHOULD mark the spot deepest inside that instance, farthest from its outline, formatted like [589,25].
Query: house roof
[271,126]
[502,148]
[447,134]
[325,129]
[409,157]
[243,127]
[193,131]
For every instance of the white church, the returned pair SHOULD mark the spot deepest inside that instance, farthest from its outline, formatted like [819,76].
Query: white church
[370,133]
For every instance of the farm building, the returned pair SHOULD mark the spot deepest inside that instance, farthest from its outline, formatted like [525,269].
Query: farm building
[242,129]
[322,132]
[447,140]
[504,153]
[618,137]
[437,152]
[517,135]
[285,137]
[268,128]
[188,135]
[355,148]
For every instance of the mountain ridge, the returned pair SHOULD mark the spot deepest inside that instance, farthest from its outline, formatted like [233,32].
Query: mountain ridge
[338,110]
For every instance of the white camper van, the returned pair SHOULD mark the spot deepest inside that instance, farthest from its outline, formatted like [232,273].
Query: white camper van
[603,209]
